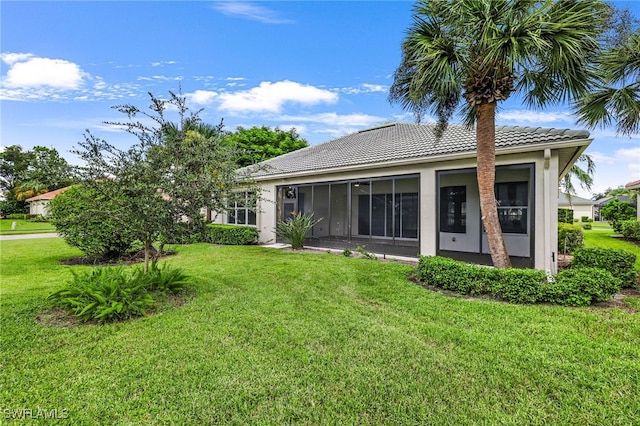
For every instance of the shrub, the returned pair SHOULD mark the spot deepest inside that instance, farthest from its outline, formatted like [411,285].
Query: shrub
[294,230]
[20,216]
[565,215]
[618,262]
[103,294]
[615,212]
[36,218]
[235,235]
[631,229]
[581,287]
[513,285]
[516,285]
[570,238]
[586,226]
[187,233]
[89,220]
[584,219]
[115,293]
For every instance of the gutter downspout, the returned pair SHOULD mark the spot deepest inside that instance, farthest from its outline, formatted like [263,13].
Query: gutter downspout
[549,252]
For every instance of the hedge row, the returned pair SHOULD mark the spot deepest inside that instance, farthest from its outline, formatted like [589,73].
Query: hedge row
[574,287]
[231,234]
[620,263]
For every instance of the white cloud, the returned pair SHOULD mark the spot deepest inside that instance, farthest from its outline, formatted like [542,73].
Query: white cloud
[202,97]
[534,117]
[26,71]
[11,58]
[365,88]
[162,63]
[271,97]
[250,11]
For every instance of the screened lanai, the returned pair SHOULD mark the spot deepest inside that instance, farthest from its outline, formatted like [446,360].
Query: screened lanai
[379,214]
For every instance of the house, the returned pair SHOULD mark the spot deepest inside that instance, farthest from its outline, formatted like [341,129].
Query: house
[581,206]
[38,205]
[635,185]
[397,189]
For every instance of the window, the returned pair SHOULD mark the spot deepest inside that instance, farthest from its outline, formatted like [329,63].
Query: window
[453,209]
[513,206]
[243,210]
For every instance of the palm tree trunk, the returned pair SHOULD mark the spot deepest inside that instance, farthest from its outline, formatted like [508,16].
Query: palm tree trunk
[486,149]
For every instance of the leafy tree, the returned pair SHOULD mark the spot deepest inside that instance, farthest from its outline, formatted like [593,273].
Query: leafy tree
[584,177]
[616,211]
[616,97]
[29,189]
[482,51]
[167,176]
[14,162]
[261,143]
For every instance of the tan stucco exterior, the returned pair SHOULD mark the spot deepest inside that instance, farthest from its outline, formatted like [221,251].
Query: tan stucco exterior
[546,171]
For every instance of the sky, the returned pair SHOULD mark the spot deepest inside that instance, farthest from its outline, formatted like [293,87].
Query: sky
[322,67]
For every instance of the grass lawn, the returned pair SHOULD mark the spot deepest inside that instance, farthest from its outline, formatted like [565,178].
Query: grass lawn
[602,236]
[272,337]
[24,227]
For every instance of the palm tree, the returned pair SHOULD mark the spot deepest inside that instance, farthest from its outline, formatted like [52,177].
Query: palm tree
[482,51]
[29,189]
[584,177]
[617,97]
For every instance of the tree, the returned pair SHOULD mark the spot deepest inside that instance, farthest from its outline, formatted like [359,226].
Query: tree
[616,97]
[261,143]
[584,177]
[482,51]
[168,176]
[616,211]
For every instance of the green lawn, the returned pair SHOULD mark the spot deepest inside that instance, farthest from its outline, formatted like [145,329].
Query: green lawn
[273,337]
[24,227]
[602,236]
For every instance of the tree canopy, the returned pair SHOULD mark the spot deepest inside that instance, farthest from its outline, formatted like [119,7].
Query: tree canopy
[257,144]
[167,177]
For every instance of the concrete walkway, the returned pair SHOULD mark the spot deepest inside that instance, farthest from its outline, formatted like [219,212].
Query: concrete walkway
[28,236]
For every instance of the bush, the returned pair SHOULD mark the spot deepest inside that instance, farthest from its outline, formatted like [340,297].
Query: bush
[19,216]
[36,218]
[581,287]
[235,235]
[513,285]
[294,230]
[586,226]
[584,219]
[570,238]
[565,215]
[191,232]
[619,263]
[616,212]
[631,229]
[103,294]
[115,293]
[89,220]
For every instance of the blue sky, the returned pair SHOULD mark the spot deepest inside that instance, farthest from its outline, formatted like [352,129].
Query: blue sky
[322,67]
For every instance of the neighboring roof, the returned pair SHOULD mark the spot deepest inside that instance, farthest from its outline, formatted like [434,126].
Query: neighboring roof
[633,185]
[563,200]
[48,195]
[605,200]
[411,141]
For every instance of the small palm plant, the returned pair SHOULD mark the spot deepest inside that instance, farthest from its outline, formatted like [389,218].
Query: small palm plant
[294,230]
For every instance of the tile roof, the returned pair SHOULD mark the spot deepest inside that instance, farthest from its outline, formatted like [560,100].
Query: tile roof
[633,185]
[48,195]
[563,200]
[402,141]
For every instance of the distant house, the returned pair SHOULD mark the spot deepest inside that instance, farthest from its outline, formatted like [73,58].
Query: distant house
[39,204]
[397,189]
[580,206]
[635,185]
